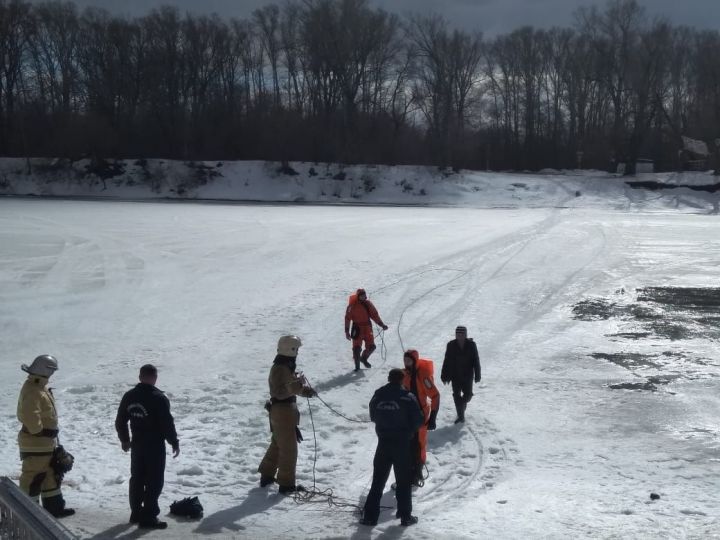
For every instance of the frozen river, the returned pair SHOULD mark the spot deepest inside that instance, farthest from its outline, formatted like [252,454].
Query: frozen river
[597,332]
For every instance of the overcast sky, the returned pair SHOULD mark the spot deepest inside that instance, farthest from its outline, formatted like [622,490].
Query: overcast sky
[492,17]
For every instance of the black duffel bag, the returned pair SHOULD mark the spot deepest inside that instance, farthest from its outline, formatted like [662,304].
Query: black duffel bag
[61,461]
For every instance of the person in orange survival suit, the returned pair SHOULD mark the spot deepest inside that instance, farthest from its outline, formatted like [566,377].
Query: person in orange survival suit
[361,312]
[419,380]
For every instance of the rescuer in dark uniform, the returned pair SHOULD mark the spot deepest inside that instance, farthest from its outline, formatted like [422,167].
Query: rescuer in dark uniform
[148,411]
[397,417]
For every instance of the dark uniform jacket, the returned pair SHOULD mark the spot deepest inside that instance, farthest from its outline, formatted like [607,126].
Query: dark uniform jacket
[396,412]
[461,364]
[148,411]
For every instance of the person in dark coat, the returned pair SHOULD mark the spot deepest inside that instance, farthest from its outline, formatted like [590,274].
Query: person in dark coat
[397,417]
[460,367]
[148,411]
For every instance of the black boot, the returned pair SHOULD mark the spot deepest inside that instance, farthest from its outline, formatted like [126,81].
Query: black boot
[56,506]
[364,359]
[153,523]
[356,357]
[266,480]
[459,408]
[284,490]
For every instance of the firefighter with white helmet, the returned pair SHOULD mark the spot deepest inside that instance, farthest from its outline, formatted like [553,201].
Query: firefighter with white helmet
[37,438]
[280,459]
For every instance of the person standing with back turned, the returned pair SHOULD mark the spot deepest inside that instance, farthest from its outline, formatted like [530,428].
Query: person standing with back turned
[148,411]
[397,416]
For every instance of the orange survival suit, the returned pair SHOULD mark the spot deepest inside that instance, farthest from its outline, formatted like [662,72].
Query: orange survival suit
[420,381]
[361,312]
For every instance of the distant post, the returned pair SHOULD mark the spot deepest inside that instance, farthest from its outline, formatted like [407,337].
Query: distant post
[579,154]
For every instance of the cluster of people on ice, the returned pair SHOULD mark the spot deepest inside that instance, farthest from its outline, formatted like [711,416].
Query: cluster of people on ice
[403,411]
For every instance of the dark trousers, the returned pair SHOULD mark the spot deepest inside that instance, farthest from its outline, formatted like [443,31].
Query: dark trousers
[147,477]
[393,453]
[462,393]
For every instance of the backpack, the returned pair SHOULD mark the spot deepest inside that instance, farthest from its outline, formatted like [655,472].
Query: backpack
[189,507]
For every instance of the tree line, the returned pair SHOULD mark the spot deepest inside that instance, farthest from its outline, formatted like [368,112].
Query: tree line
[341,81]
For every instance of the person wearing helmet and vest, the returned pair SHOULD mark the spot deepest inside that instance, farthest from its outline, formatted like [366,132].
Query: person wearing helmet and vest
[460,366]
[278,464]
[361,313]
[419,380]
[38,437]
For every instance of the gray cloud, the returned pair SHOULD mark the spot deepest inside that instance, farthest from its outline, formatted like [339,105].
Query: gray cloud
[492,17]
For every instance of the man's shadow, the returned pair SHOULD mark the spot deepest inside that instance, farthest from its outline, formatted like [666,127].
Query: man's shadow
[446,434]
[257,500]
[121,532]
[338,381]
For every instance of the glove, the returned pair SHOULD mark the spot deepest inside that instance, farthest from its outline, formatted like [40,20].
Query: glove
[298,435]
[308,392]
[445,380]
[125,445]
[477,379]
[176,449]
[431,421]
[384,326]
[46,432]
[347,336]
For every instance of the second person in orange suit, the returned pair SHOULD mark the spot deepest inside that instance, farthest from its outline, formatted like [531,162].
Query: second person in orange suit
[420,381]
[361,313]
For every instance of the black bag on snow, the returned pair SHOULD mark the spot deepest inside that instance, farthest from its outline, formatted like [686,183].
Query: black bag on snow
[61,461]
[189,507]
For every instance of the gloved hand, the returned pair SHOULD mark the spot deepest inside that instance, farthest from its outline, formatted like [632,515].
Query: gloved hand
[347,336]
[176,449]
[125,446]
[298,435]
[309,392]
[46,432]
[431,421]
[444,380]
[384,326]
[477,379]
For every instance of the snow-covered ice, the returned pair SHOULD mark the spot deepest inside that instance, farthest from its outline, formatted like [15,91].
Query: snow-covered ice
[554,446]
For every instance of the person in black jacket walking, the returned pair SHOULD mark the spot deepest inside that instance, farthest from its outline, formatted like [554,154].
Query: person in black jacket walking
[148,411]
[397,416]
[460,367]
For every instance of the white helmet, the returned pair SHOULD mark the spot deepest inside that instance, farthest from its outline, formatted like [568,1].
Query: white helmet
[288,346]
[44,366]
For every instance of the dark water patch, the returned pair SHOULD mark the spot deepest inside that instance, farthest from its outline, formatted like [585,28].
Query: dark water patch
[651,384]
[643,313]
[647,386]
[662,379]
[701,299]
[630,335]
[673,313]
[627,360]
[597,309]
[671,330]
